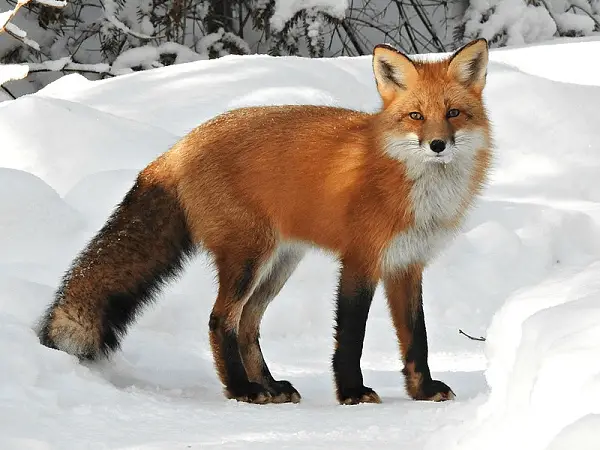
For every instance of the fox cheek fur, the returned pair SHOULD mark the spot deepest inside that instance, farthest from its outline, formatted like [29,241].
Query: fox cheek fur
[258,187]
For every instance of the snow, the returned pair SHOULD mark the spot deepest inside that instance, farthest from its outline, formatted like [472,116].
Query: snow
[53,3]
[521,22]
[10,72]
[18,71]
[5,17]
[11,27]
[517,22]
[110,13]
[523,273]
[22,35]
[148,56]
[285,9]
[576,22]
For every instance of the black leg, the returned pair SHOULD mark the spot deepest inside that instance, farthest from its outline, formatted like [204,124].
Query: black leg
[354,297]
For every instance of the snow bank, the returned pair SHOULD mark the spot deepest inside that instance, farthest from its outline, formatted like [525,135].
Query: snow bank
[72,140]
[198,91]
[35,222]
[543,370]
[523,273]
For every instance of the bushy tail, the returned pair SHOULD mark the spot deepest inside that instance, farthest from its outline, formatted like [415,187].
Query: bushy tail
[143,244]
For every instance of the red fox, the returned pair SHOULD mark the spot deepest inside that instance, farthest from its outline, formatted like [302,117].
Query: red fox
[257,187]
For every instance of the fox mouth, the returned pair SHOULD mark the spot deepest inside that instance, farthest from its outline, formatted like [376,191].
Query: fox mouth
[440,158]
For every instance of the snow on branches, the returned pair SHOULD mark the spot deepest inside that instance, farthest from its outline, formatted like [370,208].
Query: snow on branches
[9,72]
[516,22]
[15,31]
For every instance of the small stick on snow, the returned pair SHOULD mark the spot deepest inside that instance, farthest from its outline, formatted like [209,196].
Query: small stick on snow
[471,337]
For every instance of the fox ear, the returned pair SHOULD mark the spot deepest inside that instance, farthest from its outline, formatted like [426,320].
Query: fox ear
[469,64]
[393,71]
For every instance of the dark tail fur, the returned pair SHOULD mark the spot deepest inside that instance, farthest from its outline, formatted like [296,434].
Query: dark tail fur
[143,244]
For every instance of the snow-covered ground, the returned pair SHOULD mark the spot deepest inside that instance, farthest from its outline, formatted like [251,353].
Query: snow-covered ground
[525,273]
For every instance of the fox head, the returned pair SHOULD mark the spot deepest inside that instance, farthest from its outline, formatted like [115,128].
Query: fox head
[432,110]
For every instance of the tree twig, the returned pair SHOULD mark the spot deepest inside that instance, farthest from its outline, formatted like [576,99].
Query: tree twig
[352,36]
[407,27]
[5,89]
[552,16]
[471,337]
[427,23]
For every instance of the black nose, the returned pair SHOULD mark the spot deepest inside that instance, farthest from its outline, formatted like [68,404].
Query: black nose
[437,145]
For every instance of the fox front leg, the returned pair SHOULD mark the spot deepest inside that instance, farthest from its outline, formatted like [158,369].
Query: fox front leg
[405,299]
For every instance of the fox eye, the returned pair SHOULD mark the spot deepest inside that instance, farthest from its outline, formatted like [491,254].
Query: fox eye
[416,116]
[452,113]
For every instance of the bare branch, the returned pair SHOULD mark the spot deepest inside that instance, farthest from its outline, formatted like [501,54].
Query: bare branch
[5,89]
[352,36]
[427,23]
[407,27]
[552,15]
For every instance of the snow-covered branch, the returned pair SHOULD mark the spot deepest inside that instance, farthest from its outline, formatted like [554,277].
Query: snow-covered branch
[21,35]
[7,16]
[66,65]
[110,13]
[589,14]
[9,72]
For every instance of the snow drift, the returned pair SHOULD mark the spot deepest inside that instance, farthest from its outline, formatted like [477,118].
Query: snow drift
[523,272]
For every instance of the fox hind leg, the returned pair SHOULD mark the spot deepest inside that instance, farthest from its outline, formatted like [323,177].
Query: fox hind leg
[284,264]
[240,269]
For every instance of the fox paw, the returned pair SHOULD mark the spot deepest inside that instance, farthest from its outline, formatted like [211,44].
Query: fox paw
[283,392]
[435,391]
[249,393]
[354,396]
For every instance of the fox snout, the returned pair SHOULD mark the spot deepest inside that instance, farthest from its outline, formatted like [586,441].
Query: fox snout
[436,136]
[437,145]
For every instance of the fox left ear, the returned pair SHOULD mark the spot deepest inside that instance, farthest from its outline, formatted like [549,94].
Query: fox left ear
[469,64]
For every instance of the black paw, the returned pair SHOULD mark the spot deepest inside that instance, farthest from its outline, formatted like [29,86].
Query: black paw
[436,391]
[249,393]
[283,392]
[354,396]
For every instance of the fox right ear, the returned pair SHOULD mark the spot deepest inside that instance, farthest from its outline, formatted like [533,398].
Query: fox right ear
[393,71]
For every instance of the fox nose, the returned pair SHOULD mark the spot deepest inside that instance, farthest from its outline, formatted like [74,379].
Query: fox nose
[437,145]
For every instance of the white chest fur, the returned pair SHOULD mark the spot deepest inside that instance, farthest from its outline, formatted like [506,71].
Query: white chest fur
[439,194]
